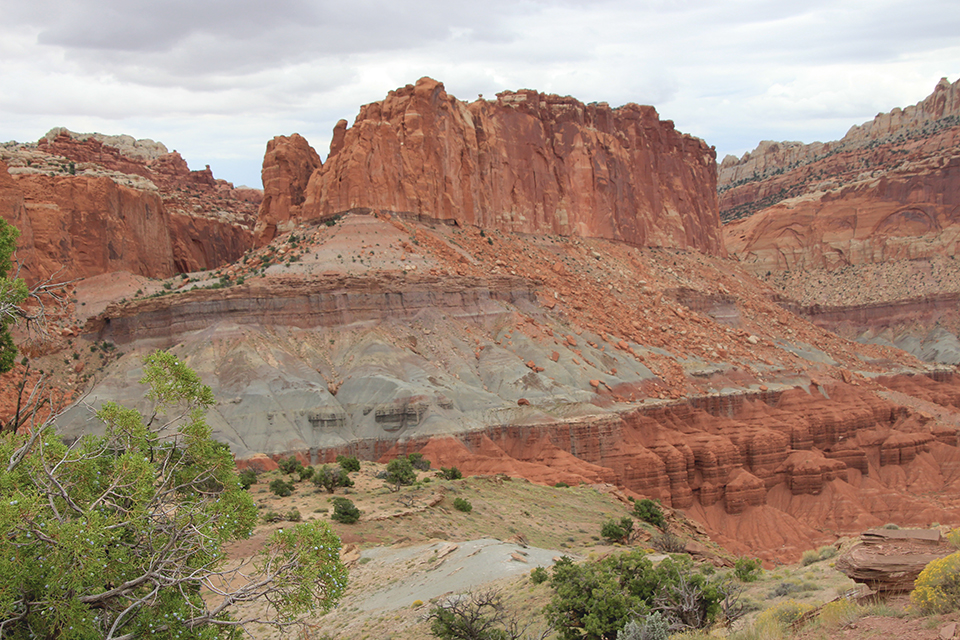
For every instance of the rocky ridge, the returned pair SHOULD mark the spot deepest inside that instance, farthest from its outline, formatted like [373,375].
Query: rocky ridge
[525,162]
[862,239]
[776,171]
[87,208]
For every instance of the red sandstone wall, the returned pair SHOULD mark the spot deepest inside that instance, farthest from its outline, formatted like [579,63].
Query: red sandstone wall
[526,162]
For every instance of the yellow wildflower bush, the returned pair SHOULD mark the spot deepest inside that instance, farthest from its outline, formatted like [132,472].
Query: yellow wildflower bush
[937,588]
[785,613]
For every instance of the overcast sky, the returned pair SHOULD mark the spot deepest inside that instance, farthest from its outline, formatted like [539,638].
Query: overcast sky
[216,79]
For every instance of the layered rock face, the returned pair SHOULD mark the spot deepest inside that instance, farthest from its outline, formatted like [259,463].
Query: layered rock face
[859,235]
[90,208]
[525,162]
[776,171]
[909,213]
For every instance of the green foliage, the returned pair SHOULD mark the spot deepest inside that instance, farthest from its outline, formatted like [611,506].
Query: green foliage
[954,538]
[13,293]
[450,474]
[462,504]
[348,463]
[592,600]
[290,465]
[539,575]
[617,531]
[649,511]
[329,478]
[400,472]
[282,488]
[747,569]
[561,485]
[653,627]
[344,511]
[418,461]
[116,535]
[937,588]
[247,478]
[305,473]
[826,552]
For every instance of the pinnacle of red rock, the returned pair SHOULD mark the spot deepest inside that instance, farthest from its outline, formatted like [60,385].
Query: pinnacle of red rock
[288,164]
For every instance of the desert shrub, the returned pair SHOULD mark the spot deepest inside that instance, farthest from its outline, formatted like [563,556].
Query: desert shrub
[481,615]
[271,516]
[747,569]
[289,465]
[416,603]
[954,538]
[294,515]
[462,504]
[615,531]
[345,511]
[655,627]
[649,511]
[562,485]
[539,575]
[827,552]
[281,488]
[891,525]
[400,472]
[417,461]
[348,463]
[666,542]
[631,631]
[592,599]
[329,478]
[809,557]
[248,478]
[305,473]
[785,613]
[450,474]
[784,589]
[937,588]
[839,613]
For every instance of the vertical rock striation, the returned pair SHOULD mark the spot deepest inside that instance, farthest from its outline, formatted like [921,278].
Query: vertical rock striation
[525,162]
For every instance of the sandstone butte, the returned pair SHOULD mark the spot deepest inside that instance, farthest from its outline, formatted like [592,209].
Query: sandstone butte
[508,342]
[132,207]
[526,162]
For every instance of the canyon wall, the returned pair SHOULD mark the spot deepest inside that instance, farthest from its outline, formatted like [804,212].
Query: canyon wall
[775,171]
[909,213]
[88,208]
[525,162]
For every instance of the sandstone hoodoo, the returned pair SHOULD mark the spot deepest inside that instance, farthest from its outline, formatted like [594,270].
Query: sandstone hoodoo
[525,162]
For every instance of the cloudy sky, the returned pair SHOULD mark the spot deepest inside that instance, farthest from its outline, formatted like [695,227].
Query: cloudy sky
[216,79]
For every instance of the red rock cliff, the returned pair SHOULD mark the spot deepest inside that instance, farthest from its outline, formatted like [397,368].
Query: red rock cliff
[85,207]
[287,166]
[525,162]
